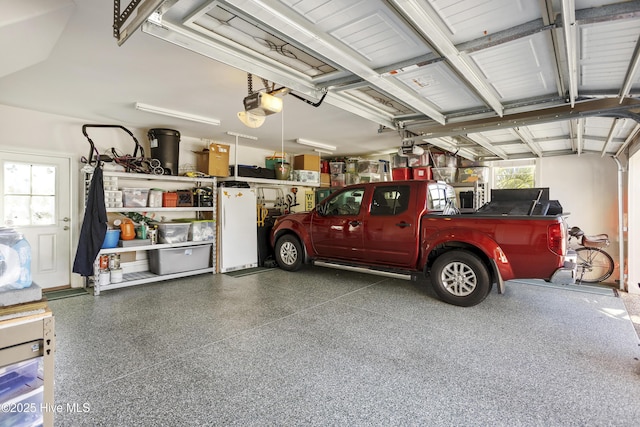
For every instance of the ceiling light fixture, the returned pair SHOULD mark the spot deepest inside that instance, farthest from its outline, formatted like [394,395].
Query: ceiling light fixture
[315,144]
[177,114]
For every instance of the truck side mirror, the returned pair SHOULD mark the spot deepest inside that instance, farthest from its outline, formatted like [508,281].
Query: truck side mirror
[322,209]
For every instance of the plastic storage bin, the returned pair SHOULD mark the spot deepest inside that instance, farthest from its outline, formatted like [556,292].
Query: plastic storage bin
[201,229]
[135,197]
[399,174]
[173,232]
[368,166]
[170,199]
[337,167]
[15,377]
[447,175]
[177,260]
[422,172]
[473,174]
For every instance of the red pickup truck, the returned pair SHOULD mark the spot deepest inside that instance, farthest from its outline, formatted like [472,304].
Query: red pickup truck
[406,228]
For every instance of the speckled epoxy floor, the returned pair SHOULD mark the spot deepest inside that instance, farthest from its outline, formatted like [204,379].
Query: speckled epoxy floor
[327,347]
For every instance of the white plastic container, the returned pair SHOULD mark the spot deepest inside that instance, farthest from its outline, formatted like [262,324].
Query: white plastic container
[135,197]
[176,260]
[15,259]
[173,232]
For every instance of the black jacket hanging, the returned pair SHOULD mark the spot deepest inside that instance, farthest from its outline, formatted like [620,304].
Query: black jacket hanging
[94,226]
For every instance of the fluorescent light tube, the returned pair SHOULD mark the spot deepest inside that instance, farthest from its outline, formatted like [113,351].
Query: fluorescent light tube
[177,114]
[315,144]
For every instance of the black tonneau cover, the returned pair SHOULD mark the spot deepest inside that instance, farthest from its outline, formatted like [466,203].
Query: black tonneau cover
[526,201]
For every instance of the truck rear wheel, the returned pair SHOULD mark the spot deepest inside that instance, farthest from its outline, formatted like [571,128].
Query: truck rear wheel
[288,252]
[460,278]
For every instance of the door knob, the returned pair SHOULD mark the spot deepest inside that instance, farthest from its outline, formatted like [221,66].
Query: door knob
[66,219]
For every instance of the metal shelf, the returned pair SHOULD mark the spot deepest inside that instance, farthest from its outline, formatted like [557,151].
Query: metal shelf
[142,277]
[155,246]
[132,278]
[270,181]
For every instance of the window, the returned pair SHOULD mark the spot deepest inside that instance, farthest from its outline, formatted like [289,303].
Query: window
[29,194]
[508,175]
[390,200]
[345,203]
[440,196]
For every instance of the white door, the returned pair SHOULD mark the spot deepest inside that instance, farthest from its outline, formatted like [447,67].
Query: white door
[35,194]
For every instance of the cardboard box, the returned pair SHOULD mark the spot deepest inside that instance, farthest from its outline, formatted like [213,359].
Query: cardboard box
[214,161]
[307,162]
[325,180]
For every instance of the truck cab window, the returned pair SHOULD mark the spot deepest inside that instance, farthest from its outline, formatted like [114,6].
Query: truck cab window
[345,203]
[441,197]
[390,200]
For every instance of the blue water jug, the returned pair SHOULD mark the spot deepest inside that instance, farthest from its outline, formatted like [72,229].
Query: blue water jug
[23,249]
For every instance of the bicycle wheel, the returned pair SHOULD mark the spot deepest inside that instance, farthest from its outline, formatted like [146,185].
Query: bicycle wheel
[594,265]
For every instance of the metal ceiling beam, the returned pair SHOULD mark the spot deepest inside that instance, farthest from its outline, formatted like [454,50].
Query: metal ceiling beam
[527,138]
[548,17]
[609,139]
[599,107]
[570,31]
[632,137]
[448,144]
[576,131]
[632,70]
[484,142]
[416,12]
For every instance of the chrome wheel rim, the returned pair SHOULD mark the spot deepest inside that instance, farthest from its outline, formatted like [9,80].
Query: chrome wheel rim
[288,253]
[459,279]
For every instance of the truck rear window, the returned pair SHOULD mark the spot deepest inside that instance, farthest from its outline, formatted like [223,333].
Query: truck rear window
[439,196]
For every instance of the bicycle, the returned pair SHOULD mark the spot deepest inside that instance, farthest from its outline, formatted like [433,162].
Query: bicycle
[594,264]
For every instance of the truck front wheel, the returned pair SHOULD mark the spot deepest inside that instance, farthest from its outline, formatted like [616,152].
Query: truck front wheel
[460,278]
[288,252]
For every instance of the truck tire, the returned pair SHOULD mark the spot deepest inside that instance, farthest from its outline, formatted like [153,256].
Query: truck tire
[460,278]
[288,252]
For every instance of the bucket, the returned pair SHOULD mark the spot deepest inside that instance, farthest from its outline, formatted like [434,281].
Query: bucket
[283,170]
[165,146]
[111,239]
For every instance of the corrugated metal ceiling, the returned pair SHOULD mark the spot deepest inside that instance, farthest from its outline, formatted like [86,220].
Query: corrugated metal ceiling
[488,79]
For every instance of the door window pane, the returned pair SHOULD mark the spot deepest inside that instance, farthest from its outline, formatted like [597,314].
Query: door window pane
[29,194]
[43,179]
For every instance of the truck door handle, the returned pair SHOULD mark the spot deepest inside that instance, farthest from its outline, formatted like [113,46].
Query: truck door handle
[403,224]
[354,223]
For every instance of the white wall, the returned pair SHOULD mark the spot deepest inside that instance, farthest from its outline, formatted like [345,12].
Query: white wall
[587,188]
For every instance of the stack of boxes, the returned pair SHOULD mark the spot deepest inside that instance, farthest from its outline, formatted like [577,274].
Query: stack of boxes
[306,168]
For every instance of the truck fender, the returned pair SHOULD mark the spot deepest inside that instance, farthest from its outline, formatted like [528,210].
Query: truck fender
[292,227]
[476,241]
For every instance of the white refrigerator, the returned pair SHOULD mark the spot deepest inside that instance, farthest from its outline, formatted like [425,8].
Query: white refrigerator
[238,243]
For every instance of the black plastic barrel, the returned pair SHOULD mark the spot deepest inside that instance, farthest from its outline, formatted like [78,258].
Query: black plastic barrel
[165,146]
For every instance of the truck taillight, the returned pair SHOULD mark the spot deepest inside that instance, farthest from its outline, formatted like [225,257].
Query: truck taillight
[557,239]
